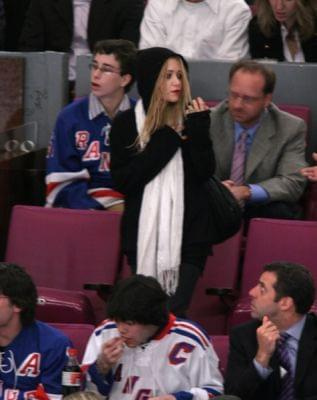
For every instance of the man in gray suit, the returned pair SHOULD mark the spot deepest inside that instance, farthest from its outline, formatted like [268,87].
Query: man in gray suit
[259,149]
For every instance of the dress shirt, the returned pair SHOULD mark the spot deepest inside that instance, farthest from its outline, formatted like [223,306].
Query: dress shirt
[211,29]
[96,108]
[295,332]
[258,194]
[299,56]
[79,43]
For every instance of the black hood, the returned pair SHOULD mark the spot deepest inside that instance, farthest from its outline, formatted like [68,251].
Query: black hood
[148,66]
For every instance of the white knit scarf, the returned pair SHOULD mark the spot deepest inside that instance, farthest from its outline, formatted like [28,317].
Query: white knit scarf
[161,219]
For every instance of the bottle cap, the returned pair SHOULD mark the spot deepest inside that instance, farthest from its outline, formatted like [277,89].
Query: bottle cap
[72,352]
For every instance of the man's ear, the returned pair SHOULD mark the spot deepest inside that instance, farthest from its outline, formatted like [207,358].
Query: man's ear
[286,303]
[268,99]
[125,80]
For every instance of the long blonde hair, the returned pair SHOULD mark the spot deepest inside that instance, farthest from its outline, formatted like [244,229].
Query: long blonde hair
[160,111]
[83,395]
[305,20]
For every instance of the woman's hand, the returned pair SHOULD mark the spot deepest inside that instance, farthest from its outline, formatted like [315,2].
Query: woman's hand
[196,105]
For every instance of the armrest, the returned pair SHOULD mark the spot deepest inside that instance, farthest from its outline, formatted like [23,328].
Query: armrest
[226,295]
[102,289]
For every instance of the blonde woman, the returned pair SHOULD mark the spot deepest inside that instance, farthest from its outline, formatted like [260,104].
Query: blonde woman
[161,157]
[284,30]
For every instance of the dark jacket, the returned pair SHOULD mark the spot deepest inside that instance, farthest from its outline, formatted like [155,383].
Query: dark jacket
[272,47]
[49,23]
[242,378]
[132,170]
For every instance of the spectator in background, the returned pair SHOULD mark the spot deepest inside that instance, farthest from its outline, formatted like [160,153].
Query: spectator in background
[311,172]
[143,351]
[15,11]
[31,353]
[74,26]
[198,29]
[274,356]
[79,154]
[284,30]
[259,149]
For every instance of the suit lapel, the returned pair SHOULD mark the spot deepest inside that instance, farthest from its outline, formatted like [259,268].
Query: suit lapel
[307,349]
[225,144]
[261,145]
[64,8]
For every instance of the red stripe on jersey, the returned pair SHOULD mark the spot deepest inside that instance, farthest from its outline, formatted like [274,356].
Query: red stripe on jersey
[167,327]
[106,193]
[51,186]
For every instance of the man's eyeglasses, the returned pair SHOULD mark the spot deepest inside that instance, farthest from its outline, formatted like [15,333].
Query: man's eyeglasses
[245,99]
[104,68]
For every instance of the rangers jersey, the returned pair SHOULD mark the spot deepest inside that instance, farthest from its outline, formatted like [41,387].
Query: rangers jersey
[36,356]
[179,360]
[78,158]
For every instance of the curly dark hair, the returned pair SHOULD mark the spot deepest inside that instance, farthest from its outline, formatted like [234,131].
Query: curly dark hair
[139,299]
[17,285]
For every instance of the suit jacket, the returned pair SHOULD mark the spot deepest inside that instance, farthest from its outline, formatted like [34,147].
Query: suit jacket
[242,378]
[275,157]
[272,47]
[49,23]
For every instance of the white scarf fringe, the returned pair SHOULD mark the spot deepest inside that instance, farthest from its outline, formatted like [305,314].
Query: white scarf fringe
[160,228]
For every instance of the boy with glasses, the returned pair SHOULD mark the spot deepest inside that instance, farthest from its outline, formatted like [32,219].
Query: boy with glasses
[78,174]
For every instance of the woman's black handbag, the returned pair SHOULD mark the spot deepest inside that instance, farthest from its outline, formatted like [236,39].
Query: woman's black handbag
[225,210]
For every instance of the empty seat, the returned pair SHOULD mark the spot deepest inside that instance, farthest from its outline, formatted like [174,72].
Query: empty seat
[64,249]
[79,334]
[272,240]
[221,273]
[221,346]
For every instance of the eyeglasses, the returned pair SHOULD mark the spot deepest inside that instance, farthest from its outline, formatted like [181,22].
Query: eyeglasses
[245,99]
[104,68]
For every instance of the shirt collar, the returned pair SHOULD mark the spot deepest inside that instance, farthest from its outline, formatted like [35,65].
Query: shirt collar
[238,129]
[295,331]
[95,107]
[213,4]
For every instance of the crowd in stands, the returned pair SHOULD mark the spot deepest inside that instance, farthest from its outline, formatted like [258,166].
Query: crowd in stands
[150,159]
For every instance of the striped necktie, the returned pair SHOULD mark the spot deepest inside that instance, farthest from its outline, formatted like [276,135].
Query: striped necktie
[287,392]
[238,159]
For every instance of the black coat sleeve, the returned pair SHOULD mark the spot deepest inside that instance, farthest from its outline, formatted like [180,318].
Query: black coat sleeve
[242,378]
[132,169]
[198,145]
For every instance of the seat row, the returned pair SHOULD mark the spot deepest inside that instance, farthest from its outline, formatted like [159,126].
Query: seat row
[65,249]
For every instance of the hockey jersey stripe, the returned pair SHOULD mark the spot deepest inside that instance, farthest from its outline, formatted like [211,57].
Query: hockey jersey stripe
[198,332]
[191,335]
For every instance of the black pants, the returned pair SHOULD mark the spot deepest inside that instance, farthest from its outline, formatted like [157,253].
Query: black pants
[192,265]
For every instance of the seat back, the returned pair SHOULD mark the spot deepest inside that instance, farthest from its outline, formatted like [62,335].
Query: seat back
[79,334]
[271,240]
[221,346]
[221,271]
[64,306]
[63,248]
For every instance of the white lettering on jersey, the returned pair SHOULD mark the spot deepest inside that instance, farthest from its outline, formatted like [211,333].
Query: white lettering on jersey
[105,132]
[30,366]
[7,364]
[93,151]
[81,140]
[104,161]
[11,394]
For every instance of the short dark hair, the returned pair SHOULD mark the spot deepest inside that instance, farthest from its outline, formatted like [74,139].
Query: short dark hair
[295,281]
[255,67]
[125,53]
[17,285]
[139,299]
